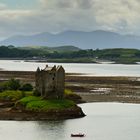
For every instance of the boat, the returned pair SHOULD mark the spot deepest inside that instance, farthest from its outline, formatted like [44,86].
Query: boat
[78,135]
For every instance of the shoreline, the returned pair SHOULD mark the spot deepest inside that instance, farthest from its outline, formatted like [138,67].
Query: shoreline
[111,99]
[92,89]
[8,111]
[8,115]
[65,60]
[106,89]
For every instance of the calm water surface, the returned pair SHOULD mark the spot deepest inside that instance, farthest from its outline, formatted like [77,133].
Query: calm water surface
[88,69]
[104,121]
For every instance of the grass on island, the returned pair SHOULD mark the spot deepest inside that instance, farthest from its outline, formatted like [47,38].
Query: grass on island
[14,95]
[71,96]
[34,103]
[68,92]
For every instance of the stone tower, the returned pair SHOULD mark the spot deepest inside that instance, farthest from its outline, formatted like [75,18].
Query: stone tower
[50,82]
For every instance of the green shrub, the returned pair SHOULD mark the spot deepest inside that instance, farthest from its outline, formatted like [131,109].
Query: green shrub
[68,91]
[14,95]
[27,87]
[11,95]
[3,86]
[13,84]
[69,95]
[10,85]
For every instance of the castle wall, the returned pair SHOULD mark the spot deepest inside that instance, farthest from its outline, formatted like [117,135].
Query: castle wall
[60,83]
[38,82]
[50,83]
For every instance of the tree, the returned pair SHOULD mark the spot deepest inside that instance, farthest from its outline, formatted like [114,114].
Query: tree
[13,84]
[27,87]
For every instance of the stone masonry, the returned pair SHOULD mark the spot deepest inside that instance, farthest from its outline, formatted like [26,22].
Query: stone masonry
[50,82]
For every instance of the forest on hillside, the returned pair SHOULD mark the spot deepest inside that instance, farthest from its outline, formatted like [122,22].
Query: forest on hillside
[71,54]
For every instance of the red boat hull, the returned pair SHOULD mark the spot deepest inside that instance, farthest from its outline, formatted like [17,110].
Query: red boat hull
[77,135]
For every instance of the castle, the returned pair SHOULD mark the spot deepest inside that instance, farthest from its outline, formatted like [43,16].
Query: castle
[50,82]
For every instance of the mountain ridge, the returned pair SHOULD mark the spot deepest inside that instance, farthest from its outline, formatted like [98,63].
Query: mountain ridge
[85,40]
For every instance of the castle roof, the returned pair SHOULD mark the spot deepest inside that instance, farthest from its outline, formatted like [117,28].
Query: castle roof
[54,68]
[47,68]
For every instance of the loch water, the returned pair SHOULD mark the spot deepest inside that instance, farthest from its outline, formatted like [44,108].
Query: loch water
[86,69]
[104,121]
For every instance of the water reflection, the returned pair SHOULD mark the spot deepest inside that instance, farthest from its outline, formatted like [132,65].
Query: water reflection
[52,130]
[104,121]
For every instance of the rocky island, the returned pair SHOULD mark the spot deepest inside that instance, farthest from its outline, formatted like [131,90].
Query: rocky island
[10,111]
[49,100]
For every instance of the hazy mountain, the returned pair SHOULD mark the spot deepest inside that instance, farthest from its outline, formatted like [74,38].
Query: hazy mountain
[95,39]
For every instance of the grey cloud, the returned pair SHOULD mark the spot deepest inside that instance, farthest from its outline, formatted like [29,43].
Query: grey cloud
[67,3]
[60,15]
[85,3]
[56,4]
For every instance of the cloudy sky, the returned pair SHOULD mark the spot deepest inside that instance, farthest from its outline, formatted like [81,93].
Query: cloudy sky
[35,16]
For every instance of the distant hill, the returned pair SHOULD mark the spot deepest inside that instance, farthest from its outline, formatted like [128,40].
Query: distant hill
[52,49]
[117,55]
[85,40]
